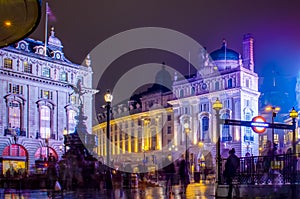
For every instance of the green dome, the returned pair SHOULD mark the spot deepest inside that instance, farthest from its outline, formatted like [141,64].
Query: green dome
[224,53]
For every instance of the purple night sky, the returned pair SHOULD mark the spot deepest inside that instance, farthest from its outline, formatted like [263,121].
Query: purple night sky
[275,26]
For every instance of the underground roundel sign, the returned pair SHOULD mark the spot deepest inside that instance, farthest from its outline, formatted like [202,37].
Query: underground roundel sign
[259,124]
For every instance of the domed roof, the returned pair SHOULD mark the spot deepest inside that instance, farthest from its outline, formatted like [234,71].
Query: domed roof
[224,53]
[54,41]
[163,77]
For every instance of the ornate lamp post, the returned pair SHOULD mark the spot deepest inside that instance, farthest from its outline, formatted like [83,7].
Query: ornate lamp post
[294,115]
[217,106]
[108,99]
[274,110]
[187,130]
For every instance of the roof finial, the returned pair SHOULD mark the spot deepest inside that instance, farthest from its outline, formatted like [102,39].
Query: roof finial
[224,43]
[52,31]
[88,60]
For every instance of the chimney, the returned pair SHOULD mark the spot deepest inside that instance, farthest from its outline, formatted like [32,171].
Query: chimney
[248,60]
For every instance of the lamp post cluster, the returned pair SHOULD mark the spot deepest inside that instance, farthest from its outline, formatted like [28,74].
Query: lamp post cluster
[217,106]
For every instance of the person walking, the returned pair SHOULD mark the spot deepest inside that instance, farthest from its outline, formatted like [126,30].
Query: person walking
[169,171]
[231,166]
[183,174]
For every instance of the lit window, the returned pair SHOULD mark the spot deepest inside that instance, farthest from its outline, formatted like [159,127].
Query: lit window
[8,63]
[73,99]
[71,121]
[27,67]
[64,76]
[46,72]
[15,89]
[205,127]
[46,94]
[14,114]
[226,135]
[45,127]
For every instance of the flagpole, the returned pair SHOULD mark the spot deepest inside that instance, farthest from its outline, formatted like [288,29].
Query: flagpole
[46,29]
[189,64]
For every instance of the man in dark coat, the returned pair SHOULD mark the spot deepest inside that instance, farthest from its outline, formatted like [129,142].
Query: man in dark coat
[231,166]
[183,174]
[169,170]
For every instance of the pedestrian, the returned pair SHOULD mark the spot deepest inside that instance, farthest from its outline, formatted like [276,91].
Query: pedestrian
[231,166]
[183,174]
[169,171]
[267,159]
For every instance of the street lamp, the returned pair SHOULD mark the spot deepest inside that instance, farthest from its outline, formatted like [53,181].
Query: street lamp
[187,130]
[274,110]
[19,18]
[217,106]
[47,145]
[294,115]
[108,99]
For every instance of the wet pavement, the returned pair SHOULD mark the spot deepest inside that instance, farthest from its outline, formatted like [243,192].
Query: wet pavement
[198,191]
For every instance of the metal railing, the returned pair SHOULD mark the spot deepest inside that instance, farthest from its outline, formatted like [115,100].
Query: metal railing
[276,169]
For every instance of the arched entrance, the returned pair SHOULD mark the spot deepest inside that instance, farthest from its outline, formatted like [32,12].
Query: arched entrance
[15,160]
[42,157]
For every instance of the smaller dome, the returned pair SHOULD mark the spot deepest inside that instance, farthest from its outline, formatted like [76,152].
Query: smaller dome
[54,41]
[224,53]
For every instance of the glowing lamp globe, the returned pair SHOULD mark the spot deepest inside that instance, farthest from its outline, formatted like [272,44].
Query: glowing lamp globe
[18,19]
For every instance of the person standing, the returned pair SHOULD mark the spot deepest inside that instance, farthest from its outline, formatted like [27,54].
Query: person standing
[231,166]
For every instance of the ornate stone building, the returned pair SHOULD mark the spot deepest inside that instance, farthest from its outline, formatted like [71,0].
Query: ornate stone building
[38,101]
[229,77]
[141,130]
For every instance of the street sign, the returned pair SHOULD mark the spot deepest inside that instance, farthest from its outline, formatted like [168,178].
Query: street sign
[259,124]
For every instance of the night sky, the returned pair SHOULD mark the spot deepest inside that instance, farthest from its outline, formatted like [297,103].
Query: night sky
[275,26]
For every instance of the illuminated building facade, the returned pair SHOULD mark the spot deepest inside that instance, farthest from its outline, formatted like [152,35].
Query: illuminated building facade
[222,75]
[141,131]
[38,103]
[229,77]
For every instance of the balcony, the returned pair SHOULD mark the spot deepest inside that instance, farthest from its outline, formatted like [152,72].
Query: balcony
[14,132]
[226,139]
[248,138]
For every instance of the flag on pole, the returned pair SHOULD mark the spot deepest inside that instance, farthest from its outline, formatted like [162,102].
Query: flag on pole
[50,13]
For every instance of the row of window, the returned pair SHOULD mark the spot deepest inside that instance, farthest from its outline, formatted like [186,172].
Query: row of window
[46,71]
[45,117]
[204,87]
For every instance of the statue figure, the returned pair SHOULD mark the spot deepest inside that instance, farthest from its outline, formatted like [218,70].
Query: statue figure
[78,90]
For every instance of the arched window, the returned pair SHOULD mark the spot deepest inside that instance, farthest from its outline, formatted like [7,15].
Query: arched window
[71,121]
[14,114]
[45,125]
[204,129]
[226,135]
